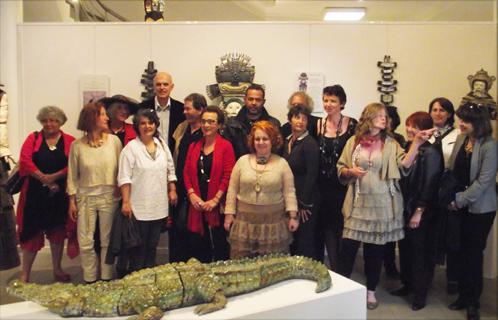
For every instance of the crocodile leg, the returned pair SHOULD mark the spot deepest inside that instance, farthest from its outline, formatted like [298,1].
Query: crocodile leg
[209,289]
[151,313]
[218,303]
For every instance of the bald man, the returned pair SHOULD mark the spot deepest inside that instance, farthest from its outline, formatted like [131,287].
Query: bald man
[169,110]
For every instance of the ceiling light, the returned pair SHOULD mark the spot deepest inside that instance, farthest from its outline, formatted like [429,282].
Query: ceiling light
[344,14]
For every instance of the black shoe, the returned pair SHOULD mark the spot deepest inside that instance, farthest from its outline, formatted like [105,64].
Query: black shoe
[401,292]
[459,304]
[418,303]
[473,313]
[452,287]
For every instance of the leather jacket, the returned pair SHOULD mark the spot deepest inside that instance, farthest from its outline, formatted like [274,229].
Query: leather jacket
[420,186]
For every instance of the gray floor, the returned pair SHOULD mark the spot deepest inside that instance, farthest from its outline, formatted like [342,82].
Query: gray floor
[390,307]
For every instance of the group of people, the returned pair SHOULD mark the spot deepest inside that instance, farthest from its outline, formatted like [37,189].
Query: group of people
[247,186]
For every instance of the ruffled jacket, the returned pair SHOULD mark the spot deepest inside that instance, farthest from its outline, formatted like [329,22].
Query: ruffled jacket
[223,163]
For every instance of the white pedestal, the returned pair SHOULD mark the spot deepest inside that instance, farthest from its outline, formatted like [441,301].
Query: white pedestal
[293,299]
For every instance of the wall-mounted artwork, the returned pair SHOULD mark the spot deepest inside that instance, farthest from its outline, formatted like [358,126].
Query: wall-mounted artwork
[387,85]
[148,81]
[93,88]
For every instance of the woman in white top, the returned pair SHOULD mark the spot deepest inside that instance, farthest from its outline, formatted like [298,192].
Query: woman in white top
[91,186]
[147,180]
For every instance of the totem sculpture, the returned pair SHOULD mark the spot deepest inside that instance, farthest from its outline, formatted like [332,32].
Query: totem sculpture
[233,76]
[148,81]
[387,85]
[149,292]
[480,83]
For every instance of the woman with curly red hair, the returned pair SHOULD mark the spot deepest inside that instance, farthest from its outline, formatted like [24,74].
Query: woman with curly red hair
[260,192]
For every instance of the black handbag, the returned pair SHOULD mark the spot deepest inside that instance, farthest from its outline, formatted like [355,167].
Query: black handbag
[14,182]
[181,218]
[449,185]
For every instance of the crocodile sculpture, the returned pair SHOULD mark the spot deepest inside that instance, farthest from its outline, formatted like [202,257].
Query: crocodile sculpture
[149,292]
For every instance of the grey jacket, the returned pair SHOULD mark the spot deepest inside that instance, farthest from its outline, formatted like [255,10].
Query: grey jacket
[480,196]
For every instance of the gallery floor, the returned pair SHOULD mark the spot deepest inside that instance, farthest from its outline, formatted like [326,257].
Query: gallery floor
[390,307]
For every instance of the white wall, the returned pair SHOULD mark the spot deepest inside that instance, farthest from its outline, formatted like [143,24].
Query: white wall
[433,59]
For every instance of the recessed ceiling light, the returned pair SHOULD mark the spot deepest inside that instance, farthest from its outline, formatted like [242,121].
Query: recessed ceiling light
[344,14]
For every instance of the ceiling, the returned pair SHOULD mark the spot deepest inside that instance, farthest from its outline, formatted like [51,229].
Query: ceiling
[274,10]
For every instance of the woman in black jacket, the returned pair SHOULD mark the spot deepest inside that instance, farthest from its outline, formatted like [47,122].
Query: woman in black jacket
[302,153]
[419,188]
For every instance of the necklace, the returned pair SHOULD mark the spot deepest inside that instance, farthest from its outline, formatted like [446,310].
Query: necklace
[262,160]
[97,144]
[259,173]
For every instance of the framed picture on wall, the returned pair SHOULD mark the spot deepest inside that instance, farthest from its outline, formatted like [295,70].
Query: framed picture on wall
[312,83]
[93,88]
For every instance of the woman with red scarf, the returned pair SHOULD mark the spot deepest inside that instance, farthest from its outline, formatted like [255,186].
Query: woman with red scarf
[370,166]
[207,172]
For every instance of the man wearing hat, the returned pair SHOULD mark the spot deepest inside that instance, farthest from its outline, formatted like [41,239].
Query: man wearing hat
[119,108]
[170,111]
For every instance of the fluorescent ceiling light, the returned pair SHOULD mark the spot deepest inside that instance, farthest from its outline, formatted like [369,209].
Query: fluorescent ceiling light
[344,14]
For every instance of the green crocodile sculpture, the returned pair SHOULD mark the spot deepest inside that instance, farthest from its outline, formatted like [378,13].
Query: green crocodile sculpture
[149,292]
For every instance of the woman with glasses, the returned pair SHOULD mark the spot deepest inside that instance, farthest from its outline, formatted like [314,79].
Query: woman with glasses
[208,166]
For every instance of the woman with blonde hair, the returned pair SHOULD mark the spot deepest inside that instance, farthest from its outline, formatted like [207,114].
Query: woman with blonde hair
[373,207]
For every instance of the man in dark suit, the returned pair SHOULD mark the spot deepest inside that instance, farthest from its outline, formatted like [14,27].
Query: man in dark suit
[169,110]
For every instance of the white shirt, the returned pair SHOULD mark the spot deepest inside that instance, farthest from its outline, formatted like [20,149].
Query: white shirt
[163,113]
[149,178]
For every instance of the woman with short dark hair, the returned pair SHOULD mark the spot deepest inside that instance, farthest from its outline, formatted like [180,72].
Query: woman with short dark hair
[147,181]
[207,173]
[474,158]
[334,130]
[302,153]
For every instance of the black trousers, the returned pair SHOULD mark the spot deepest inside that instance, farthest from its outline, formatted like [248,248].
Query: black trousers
[390,256]
[304,243]
[474,234]
[373,254]
[144,256]
[416,256]
[212,246]
[177,239]
[330,223]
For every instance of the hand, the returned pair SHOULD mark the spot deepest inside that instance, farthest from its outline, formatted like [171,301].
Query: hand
[173,197]
[452,206]
[415,220]
[49,179]
[73,210]
[423,135]
[304,215]
[126,209]
[293,224]
[209,205]
[356,172]
[228,221]
[196,201]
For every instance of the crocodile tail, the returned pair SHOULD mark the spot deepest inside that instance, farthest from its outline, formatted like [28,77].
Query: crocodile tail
[307,268]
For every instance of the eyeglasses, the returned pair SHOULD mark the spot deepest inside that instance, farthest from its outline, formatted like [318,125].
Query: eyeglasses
[475,106]
[209,121]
